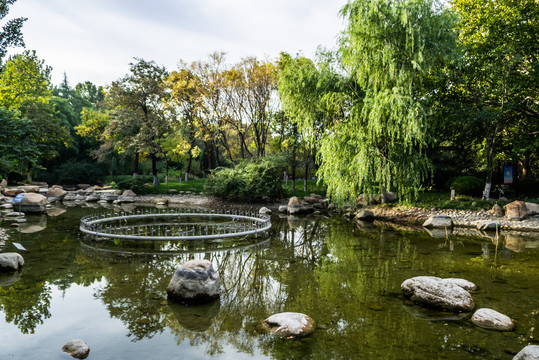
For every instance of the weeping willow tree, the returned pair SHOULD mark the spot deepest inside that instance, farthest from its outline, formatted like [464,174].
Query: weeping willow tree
[393,53]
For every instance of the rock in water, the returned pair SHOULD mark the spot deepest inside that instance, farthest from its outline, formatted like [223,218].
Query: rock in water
[265,211]
[194,282]
[439,293]
[77,348]
[492,320]
[10,262]
[289,324]
[530,352]
[283,208]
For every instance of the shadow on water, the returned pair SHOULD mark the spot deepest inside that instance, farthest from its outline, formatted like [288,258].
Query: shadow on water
[344,275]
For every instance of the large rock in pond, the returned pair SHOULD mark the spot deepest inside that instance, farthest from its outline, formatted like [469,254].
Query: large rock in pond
[264,211]
[77,348]
[10,262]
[288,324]
[32,202]
[492,320]
[516,210]
[530,352]
[446,294]
[194,282]
[438,221]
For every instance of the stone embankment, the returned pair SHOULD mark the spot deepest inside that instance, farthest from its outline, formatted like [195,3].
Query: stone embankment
[460,218]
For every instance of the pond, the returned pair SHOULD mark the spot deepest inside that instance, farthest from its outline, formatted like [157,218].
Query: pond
[345,276]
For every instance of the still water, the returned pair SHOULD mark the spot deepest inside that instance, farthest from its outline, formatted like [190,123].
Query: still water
[346,277]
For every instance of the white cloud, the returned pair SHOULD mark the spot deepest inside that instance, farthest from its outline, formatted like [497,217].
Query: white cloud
[95,40]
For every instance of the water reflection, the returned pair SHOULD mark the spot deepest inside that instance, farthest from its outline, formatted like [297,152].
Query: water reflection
[347,277]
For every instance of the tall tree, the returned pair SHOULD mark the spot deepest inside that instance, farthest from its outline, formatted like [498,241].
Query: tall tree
[25,87]
[391,49]
[11,34]
[499,73]
[137,104]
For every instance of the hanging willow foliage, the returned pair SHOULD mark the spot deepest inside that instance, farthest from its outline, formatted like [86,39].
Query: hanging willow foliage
[392,50]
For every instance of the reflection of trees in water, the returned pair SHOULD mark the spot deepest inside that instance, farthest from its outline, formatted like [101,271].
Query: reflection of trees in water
[26,306]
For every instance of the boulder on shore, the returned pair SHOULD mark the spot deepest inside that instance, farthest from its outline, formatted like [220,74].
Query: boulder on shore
[438,221]
[492,320]
[532,208]
[29,188]
[296,206]
[77,348]
[56,193]
[194,282]
[10,262]
[288,324]
[364,215]
[32,202]
[516,210]
[446,294]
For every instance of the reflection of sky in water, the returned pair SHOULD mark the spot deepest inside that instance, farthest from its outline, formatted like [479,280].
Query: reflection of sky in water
[77,314]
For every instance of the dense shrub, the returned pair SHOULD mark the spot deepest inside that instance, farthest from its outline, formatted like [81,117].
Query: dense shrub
[248,182]
[72,172]
[138,184]
[467,185]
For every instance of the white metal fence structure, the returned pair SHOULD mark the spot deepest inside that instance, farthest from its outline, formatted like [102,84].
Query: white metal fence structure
[175,224]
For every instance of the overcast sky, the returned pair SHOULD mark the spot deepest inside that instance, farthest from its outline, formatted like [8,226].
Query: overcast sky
[96,39]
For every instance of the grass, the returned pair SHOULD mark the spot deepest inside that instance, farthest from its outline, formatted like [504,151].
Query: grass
[312,188]
[442,200]
[195,186]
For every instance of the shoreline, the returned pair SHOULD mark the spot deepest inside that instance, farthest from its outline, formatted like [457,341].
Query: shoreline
[397,214]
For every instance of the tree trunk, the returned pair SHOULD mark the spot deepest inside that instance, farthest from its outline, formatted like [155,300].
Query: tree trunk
[29,173]
[306,175]
[135,165]
[166,172]
[154,171]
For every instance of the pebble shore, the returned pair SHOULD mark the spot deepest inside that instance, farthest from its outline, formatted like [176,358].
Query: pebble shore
[460,218]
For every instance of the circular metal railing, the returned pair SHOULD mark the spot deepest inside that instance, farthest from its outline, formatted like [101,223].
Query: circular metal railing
[175,224]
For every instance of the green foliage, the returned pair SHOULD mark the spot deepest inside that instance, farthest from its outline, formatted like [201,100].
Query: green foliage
[72,171]
[442,200]
[251,181]
[138,184]
[11,34]
[467,185]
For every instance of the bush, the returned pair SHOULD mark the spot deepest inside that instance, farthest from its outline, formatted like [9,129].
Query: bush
[72,172]
[253,181]
[137,184]
[467,185]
